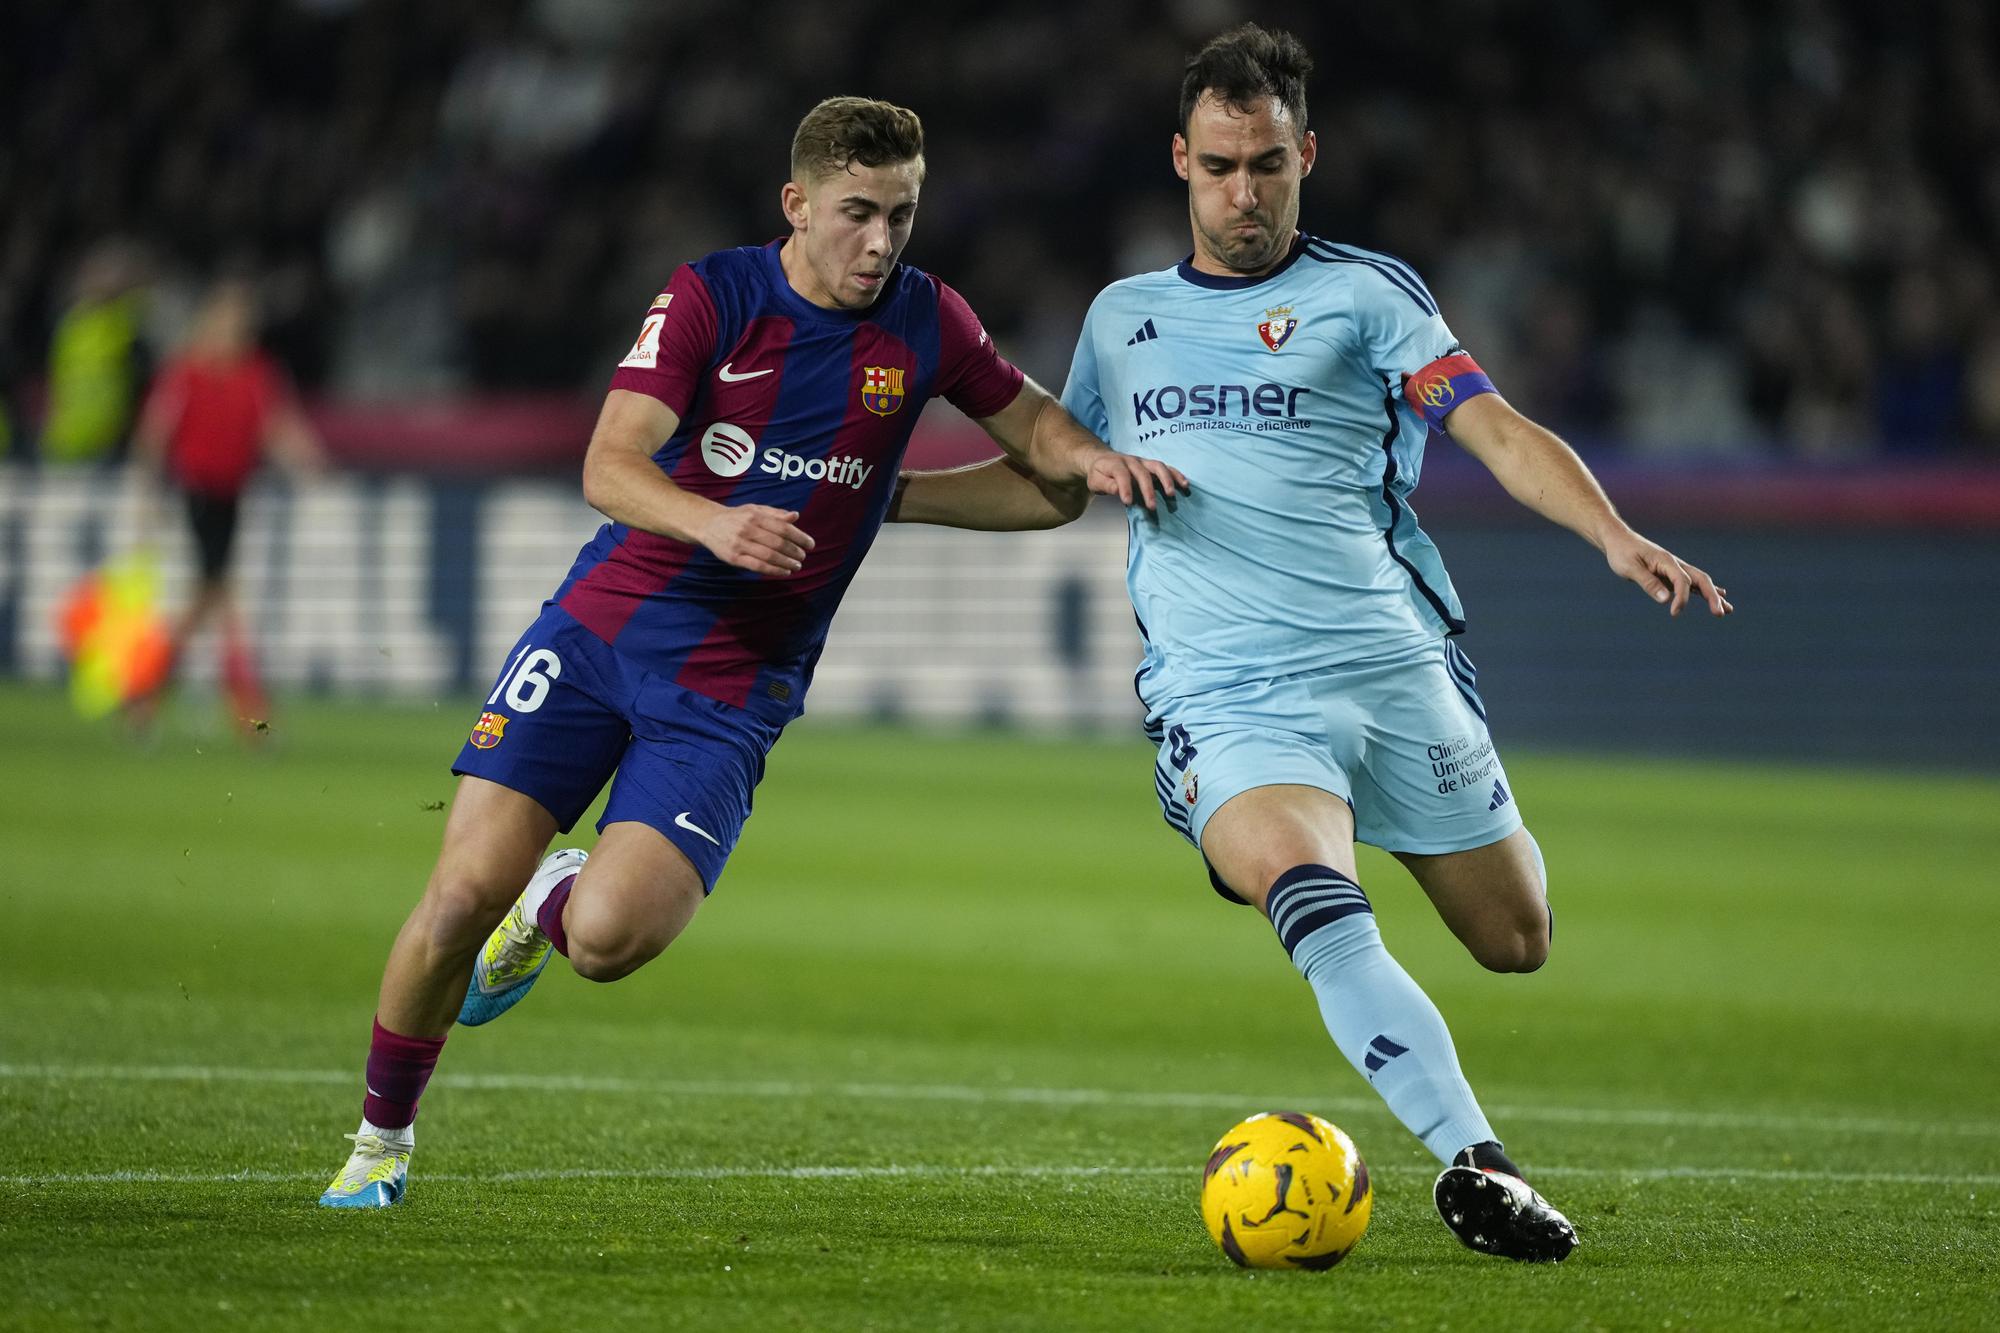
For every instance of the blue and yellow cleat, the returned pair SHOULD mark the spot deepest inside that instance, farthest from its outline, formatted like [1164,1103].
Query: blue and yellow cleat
[517,951]
[375,1176]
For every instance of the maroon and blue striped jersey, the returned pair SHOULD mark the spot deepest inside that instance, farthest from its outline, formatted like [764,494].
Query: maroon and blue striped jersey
[786,404]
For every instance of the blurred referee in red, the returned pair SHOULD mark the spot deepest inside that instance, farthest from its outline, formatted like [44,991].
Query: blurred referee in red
[214,410]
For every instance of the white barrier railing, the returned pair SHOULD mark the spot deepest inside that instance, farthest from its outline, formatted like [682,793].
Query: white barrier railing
[342,580]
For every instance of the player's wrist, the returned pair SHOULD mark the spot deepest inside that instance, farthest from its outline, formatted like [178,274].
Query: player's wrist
[1608,532]
[690,518]
[1085,461]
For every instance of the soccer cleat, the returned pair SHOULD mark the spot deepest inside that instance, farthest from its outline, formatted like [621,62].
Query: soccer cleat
[1487,1205]
[517,951]
[376,1174]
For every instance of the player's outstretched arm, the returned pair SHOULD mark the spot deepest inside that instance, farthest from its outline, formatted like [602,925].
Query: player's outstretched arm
[151,438]
[1038,434]
[1545,474]
[293,439]
[999,495]
[1051,469]
[622,482]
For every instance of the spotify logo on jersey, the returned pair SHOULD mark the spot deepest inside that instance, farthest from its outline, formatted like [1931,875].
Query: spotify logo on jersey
[727,449]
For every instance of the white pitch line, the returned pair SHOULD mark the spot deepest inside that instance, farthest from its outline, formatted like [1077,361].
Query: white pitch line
[892,1172]
[1779,1175]
[602,1173]
[1664,1118]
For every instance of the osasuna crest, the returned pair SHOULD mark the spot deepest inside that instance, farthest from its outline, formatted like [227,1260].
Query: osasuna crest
[882,389]
[1277,327]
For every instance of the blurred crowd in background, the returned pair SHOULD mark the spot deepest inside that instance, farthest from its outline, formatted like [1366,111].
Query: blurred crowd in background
[1685,229]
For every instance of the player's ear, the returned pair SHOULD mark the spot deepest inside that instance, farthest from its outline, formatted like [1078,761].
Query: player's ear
[793,200]
[1181,156]
[1308,151]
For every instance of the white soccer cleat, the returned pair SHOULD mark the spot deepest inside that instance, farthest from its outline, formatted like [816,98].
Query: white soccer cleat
[376,1174]
[517,951]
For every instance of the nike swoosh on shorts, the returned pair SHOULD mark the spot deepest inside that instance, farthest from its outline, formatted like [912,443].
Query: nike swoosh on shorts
[681,820]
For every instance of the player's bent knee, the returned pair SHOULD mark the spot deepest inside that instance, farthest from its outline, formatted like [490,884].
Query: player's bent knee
[624,911]
[1518,950]
[463,909]
[1534,951]
[611,959]
[605,947]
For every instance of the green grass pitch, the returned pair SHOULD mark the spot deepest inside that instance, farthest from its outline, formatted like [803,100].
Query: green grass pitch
[949,1046]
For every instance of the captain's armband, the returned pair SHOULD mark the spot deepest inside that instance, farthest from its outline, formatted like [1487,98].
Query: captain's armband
[1443,384]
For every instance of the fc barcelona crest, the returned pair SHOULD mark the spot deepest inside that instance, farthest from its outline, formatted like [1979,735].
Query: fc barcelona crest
[882,389]
[1277,327]
[488,730]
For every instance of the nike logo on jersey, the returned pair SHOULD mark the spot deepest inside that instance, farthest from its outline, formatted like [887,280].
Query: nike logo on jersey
[727,376]
[681,820]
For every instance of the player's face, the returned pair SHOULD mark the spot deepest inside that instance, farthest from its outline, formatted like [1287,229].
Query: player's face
[847,230]
[1243,169]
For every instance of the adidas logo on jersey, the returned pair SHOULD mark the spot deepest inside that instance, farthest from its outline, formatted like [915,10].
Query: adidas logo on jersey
[1145,334]
[728,450]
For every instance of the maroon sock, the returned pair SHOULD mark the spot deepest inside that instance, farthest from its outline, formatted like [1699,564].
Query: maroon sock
[398,1068]
[549,919]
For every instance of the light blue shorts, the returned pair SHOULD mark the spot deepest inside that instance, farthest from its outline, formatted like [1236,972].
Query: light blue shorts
[1402,741]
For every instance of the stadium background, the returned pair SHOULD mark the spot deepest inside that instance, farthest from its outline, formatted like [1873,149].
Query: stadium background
[949,1048]
[1746,263]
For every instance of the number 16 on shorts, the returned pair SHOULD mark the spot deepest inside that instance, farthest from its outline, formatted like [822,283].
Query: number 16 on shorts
[526,681]
[524,685]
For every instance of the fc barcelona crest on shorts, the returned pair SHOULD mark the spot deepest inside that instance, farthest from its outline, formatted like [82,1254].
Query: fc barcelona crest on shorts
[1277,327]
[882,389]
[488,730]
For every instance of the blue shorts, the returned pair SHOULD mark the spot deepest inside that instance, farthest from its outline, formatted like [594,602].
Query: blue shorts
[1403,741]
[568,711]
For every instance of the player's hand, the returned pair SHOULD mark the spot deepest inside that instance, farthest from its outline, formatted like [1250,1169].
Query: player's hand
[150,502]
[1122,475]
[758,538]
[147,523]
[1666,578]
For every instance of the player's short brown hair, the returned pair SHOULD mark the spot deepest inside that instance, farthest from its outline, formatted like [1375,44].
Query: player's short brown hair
[1246,64]
[843,131]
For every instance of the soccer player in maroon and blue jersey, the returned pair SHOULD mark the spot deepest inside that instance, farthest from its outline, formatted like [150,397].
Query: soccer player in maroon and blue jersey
[747,454]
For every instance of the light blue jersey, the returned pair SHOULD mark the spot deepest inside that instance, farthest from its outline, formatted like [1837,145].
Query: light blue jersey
[1282,398]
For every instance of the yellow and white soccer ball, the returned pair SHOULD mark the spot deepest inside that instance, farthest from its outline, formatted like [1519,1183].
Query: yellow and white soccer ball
[1285,1190]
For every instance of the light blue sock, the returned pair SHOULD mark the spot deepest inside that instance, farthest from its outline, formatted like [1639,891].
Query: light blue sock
[1379,1018]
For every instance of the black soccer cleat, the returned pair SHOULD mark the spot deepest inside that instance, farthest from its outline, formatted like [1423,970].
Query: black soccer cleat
[1490,1208]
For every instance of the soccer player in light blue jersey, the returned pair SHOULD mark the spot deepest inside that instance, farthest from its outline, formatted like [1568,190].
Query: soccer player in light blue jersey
[1299,673]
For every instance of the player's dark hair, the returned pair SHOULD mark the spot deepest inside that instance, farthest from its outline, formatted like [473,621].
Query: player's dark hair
[843,131]
[1245,64]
